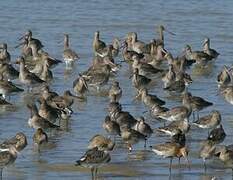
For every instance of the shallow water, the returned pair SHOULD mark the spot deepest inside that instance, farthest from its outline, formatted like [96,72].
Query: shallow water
[190,20]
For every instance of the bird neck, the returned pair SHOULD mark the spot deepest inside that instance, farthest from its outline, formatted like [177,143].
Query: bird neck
[66,42]
[206,46]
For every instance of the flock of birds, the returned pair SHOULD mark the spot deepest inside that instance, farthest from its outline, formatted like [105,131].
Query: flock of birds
[147,62]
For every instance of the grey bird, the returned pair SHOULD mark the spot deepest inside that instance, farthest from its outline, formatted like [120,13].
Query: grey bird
[115,92]
[93,159]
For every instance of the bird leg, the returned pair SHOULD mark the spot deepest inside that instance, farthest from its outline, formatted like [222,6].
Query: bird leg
[170,165]
[204,163]
[96,170]
[193,116]
[179,162]
[145,143]
[1,173]
[92,173]
[197,115]
[232,173]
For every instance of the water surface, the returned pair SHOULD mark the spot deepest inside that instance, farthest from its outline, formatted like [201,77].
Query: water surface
[48,20]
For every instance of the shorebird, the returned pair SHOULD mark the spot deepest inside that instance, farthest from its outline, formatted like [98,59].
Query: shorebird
[39,56]
[8,71]
[100,65]
[97,44]
[122,118]
[99,79]
[36,121]
[161,30]
[179,137]
[209,121]
[7,87]
[171,150]
[224,77]
[80,86]
[19,141]
[149,99]
[139,81]
[197,103]
[208,50]
[47,93]
[131,136]
[144,128]
[171,129]
[46,74]
[63,102]
[28,36]
[93,159]
[228,94]
[115,92]
[176,113]
[169,77]
[48,112]
[136,45]
[111,127]
[128,54]
[69,55]
[207,151]
[144,68]
[7,157]
[176,86]
[5,56]
[25,76]
[101,142]
[116,47]
[225,154]
[217,135]
[106,52]
[40,137]
[201,57]
[158,54]
[156,110]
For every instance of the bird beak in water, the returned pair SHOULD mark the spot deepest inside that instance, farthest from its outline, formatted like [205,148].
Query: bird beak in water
[131,76]
[19,39]
[20,44]
[170,32]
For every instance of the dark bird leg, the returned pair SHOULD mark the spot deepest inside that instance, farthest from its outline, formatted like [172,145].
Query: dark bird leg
[204,163]
[197,115]
[145,143]
[92,173]
[38,147]
[232,173]
[96,170]
[170,165]
[193,116]
[1,173]
[179,163]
